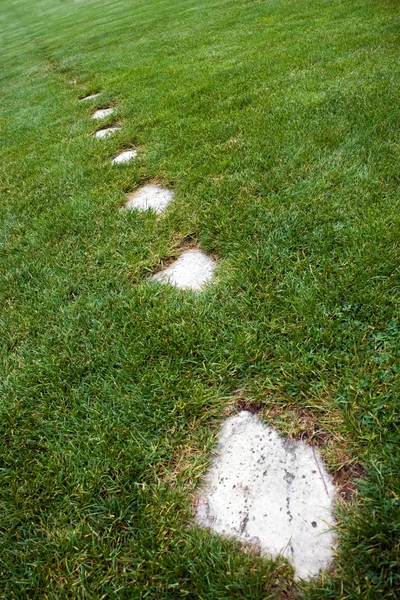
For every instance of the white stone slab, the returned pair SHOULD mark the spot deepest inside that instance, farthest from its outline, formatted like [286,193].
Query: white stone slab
[102,112]
[150,196]
[272,492]
[191,271]
[124,157]
[90,97]
[103,133]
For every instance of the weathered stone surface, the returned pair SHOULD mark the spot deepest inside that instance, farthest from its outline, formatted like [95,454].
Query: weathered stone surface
[269,491]
[102,112]
[124,157]
[103,133]
[150,196]
[191,271]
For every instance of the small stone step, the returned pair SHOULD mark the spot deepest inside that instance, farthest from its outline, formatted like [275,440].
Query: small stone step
[124,157]
[150,196]
[102,112]
[192,271]
[90,97]
[103,133]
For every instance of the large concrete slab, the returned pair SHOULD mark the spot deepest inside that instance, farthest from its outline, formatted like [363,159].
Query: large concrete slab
[124,157]
[191,271]
[150,196]
[271,492]
[102,112]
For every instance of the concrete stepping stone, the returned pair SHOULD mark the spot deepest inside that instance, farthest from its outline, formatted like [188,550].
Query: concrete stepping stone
[191,271]
[150,196]
[90,97]
[124,157]
[103,133]
[102,112]
[272,492]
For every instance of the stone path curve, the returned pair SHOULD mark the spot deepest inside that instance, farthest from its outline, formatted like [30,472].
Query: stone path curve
[286,504]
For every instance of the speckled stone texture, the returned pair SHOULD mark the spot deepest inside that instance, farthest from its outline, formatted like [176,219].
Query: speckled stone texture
[269,491]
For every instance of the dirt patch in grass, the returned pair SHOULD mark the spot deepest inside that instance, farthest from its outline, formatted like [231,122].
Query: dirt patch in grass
[345,479]
[308,427]
[252,406]
[241,400]
[290,594]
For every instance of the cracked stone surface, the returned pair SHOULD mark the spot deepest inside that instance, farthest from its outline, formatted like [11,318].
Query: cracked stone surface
[102,112]
[272,492]
[124,157]
[191,271]
[103,133]
[152,197]
[90,97]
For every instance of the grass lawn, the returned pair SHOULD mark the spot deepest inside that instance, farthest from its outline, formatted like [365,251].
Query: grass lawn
[277,124]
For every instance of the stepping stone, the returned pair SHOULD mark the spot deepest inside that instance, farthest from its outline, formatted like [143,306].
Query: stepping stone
[191,271]
[152,197]
[102,112]
[124,157]
[272,492]
[102,133]
[91,97]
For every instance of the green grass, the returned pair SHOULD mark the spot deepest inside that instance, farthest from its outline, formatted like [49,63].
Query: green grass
[277,124]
